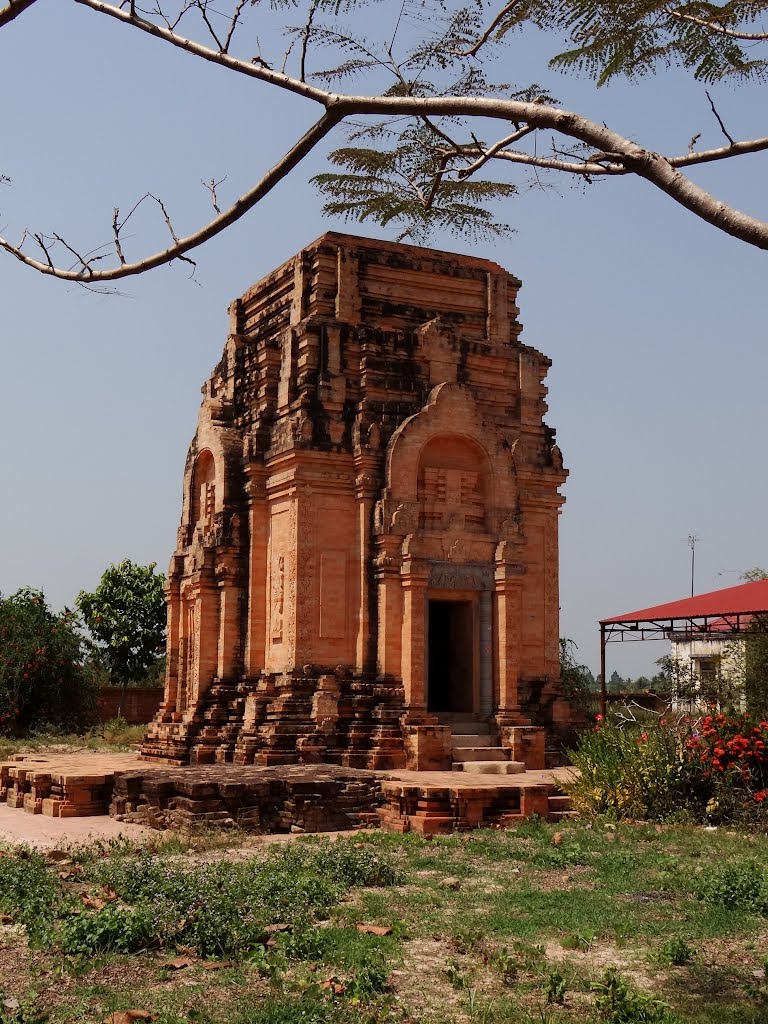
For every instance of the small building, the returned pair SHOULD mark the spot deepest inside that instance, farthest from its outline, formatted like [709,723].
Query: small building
[368,543]
[709,667]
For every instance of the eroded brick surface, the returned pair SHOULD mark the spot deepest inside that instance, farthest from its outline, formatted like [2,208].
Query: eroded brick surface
[321,798]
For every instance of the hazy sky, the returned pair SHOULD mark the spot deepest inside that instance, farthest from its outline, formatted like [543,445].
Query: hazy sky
[654,321]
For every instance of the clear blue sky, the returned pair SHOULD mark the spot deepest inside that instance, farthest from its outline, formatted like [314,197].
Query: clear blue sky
[654,321]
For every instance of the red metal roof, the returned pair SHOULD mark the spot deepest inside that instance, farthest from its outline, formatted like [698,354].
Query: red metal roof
[741,600]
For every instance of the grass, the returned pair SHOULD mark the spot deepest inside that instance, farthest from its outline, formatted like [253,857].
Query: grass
[115,735]
[632,924]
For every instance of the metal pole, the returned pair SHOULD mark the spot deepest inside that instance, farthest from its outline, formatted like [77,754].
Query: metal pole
[603,699]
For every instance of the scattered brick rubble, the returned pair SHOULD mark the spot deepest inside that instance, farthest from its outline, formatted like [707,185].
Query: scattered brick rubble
[69,786]
[315,798]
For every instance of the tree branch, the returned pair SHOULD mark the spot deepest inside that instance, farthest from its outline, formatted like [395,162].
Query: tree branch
[720,30]
[719,119]
[486,35]
[13,9]
[246,202]
[653,167]
[254,70]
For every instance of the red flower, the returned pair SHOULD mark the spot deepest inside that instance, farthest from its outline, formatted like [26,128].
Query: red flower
[599,718]
[760,795]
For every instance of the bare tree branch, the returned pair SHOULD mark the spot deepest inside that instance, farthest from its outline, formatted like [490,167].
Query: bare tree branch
[246,202]
[212,185]
[256,70]
[591,168]
[719,119]
[491,151]
[234,23]
[486,35]
[13,9]
[718,29]
[116,232]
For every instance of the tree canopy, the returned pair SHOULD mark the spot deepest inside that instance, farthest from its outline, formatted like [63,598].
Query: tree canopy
[125,615]
[436,136]
[41,677]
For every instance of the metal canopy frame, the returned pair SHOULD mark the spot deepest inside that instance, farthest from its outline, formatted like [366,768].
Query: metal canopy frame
[715,625]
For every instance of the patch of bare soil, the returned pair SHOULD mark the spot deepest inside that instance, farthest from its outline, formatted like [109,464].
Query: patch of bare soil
[602,955]
[14,959]
[422,986]
[559,879]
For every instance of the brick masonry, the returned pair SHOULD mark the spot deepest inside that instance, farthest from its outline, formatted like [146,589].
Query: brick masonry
[369,526]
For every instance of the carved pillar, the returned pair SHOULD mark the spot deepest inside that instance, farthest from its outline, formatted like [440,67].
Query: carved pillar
[172,648]
[365,490]
[206,639]
[229,624]
[389,608]
[508,635]
[414,584]
[304,583]
[258,519]
[486,653]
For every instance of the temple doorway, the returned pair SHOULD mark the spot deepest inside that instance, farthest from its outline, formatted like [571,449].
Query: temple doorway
[451,656]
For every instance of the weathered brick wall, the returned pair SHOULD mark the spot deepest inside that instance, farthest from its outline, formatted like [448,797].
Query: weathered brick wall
[140,704]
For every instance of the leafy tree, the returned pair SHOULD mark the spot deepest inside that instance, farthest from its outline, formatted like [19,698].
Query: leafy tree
[41,677]
[578,681]
[431,118]
[125,615]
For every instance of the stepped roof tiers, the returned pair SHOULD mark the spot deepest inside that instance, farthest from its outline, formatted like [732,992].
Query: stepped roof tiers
[368,541]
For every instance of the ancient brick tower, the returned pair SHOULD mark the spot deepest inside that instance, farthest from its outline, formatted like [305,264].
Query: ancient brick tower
[369,529]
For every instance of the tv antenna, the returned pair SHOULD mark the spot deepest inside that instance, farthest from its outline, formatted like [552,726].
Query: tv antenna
[693,540]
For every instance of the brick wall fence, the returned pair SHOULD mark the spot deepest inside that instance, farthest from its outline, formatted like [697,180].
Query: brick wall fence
[139,706]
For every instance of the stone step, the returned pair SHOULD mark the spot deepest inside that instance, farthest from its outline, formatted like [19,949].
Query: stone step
[561,802]
[469,728]
[470,739]
[490,768]
[562,815]
[480,754]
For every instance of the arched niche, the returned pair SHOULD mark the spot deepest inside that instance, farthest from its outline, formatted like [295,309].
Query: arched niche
[203,503]
[449,433]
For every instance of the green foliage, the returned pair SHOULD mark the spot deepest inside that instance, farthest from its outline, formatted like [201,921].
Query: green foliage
[676,951]
[742,886]
[41,677]
[556,988]
[125,615]
[634,37]
[407,186]
[578,682]
[620,1003]
[630,771]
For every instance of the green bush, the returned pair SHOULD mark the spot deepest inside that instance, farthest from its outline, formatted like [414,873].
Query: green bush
[631,771]
[620,1003]
[42,682]
[739,886]
[713,769]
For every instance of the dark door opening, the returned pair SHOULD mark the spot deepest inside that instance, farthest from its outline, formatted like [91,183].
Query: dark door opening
[451,651]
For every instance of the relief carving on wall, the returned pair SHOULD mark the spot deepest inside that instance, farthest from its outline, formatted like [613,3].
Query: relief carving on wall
[451,499]
[447,576]
[278,598]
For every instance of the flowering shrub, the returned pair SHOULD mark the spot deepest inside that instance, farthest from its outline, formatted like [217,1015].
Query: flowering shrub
[713,769]
[731,753]
[635,772]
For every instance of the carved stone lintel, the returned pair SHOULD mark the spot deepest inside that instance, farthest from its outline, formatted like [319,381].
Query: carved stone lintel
[450,576]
